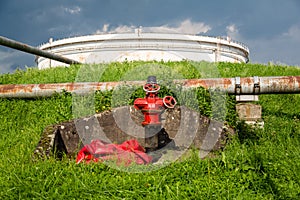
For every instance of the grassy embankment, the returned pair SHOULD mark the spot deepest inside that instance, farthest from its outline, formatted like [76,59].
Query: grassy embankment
[257,164]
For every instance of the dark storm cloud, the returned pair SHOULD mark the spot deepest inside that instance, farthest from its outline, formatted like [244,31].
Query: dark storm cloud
[267,26]
[268,18]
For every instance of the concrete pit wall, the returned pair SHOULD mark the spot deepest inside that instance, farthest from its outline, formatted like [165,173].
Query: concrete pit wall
[182,128]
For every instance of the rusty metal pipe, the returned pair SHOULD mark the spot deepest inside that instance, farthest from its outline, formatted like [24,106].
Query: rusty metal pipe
[233,86]
[36,51]
[249,85]
[47,90]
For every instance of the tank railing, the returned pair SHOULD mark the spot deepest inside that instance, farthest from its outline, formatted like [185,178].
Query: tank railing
[223,38]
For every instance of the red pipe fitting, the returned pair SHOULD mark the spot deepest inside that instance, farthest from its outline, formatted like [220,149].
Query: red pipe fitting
[153,106]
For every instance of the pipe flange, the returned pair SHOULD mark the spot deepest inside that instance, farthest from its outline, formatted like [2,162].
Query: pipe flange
[237,85]
[256,86]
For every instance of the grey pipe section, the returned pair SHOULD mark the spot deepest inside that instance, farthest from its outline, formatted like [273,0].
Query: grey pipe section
[233,86]
[33,50]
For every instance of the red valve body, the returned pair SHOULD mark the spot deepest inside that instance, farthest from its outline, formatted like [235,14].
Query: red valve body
[153,106]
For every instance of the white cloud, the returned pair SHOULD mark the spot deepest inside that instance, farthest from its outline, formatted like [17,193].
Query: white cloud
[5,63]
[74,10]
[120,29]
[105,27]
[9,60]
[293,32]
[232,31]
[185,27]
[123,28]
[281,49]
[4,55]
[5,68]
[61,28]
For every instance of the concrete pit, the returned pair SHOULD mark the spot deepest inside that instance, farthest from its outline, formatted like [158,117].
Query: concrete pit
[183,128]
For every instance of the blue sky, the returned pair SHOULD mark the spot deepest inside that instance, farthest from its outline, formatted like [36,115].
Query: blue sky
[270,28]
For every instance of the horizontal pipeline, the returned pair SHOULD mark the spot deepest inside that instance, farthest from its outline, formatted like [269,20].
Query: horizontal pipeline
[36,51]
[234,86]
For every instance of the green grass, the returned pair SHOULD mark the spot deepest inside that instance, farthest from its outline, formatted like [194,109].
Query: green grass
[257,164]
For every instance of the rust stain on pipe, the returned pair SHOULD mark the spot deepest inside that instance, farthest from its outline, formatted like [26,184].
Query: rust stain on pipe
[246,85]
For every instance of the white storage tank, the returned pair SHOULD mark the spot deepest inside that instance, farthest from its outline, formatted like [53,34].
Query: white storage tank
[119,47]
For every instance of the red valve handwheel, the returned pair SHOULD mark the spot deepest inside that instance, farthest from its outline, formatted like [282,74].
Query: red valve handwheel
[169,101]
[151,87]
